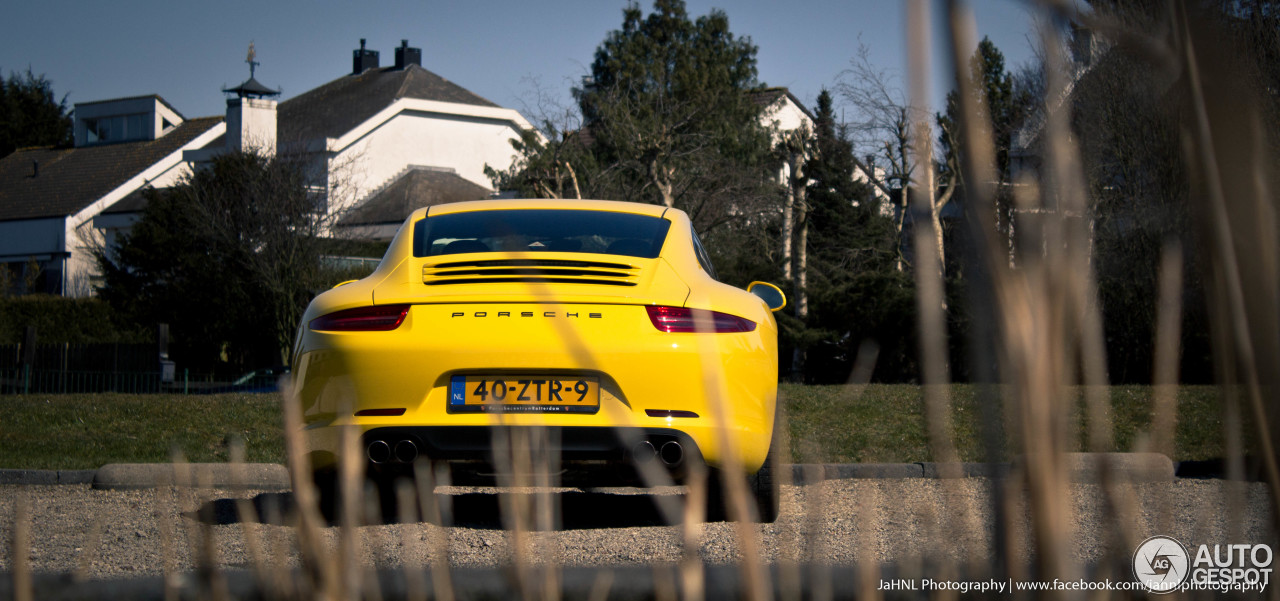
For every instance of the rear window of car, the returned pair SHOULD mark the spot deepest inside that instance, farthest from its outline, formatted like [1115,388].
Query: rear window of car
[540,230]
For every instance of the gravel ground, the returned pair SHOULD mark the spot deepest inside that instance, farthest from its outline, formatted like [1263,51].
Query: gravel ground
[112,534]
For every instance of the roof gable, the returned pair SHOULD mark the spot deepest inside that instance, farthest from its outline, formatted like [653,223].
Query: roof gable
[337,107]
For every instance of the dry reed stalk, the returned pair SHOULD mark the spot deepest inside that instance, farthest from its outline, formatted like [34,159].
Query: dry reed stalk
[664,584]
[352,501]
[93,541]
[435,512]
[1164,404]
[740,506]
[166,507]
[248,518]
[319,573]
[1235,326]
[546,511]
[415,581]
[790,541]
[600,588]
[208,565]
[19,550]
[692,570]
[510,453]
[866,512]
[930,300]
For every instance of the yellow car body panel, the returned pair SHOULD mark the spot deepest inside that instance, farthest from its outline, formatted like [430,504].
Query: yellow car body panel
[573,326]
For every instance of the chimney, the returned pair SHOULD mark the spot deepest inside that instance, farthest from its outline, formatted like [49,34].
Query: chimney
[251,125]
[406,56]
[362,59]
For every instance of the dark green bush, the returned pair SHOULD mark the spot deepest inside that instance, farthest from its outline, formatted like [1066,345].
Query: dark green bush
[59,319]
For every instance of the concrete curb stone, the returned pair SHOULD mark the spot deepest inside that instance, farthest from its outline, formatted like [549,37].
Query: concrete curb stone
[965,470]
[129,476]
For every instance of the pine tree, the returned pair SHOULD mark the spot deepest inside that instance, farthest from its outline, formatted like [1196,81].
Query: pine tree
[29,114]
[667,106]
[851,254]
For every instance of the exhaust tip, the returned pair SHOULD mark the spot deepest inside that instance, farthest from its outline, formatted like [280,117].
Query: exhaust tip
[406,451]
[643,452]
[379,451]
[672,453]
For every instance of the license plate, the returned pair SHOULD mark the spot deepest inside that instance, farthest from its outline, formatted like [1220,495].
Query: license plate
[516,394]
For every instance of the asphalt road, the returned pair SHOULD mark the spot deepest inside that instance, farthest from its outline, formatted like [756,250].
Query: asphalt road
[112,534]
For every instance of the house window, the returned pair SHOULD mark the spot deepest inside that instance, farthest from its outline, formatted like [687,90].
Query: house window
[119,128]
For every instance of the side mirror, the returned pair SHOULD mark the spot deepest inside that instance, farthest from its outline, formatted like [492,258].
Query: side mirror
[770,294]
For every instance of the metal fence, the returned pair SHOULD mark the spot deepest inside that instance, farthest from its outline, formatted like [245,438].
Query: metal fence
[25,379]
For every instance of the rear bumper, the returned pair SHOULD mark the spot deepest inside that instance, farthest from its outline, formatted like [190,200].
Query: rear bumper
[729,381]
[586,456]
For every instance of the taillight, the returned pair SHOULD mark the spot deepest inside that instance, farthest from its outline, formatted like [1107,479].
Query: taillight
[378,318]
[681,319]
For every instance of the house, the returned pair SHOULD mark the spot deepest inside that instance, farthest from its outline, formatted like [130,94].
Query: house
[383,141]
[49,197]
[782,111]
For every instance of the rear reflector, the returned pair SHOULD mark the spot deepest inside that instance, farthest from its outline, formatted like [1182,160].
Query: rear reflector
[669,413]
[682,319]
[381,412]
[377,318]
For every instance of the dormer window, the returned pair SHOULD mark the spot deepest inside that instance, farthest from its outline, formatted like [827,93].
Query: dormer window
[124,120]
[119,128]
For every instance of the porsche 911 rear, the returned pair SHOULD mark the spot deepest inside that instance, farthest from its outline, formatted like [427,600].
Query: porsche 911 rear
[593,322]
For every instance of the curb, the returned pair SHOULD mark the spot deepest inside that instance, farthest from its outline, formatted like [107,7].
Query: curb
[46,476]
[133,476]
[1082,467]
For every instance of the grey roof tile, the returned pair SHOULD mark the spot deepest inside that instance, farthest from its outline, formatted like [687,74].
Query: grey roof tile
[71,178]
[415,188]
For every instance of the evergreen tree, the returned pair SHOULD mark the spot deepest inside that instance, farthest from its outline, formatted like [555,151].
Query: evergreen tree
[1000,102]
[856,293]
[29,114]
[667,107]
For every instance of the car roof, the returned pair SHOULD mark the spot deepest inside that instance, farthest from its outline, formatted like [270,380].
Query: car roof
[546,203]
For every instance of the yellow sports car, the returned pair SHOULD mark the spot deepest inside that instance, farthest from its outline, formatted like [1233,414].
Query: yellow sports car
[599,322]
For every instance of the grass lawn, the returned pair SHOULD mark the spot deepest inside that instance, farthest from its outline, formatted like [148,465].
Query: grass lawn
[85,431]
[885,422]
[875,423]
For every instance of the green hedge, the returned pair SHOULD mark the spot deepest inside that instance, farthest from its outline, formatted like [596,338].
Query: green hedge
[59,319]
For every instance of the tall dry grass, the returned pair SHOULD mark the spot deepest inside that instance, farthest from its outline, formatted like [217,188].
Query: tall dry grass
[1042,332]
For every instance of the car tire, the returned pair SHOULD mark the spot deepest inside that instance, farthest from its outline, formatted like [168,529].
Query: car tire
[326,482]
[765,488]
[762,486]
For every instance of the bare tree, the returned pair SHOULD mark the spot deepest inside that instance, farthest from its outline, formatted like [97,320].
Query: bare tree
[884,127]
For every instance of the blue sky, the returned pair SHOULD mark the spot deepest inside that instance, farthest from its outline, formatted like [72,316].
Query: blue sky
[187,51]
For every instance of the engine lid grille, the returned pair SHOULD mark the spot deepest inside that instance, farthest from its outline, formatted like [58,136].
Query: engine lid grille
[547,271]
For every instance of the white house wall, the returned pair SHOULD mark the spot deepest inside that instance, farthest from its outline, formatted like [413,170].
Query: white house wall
[786,116]
[463,143]
[80,236]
